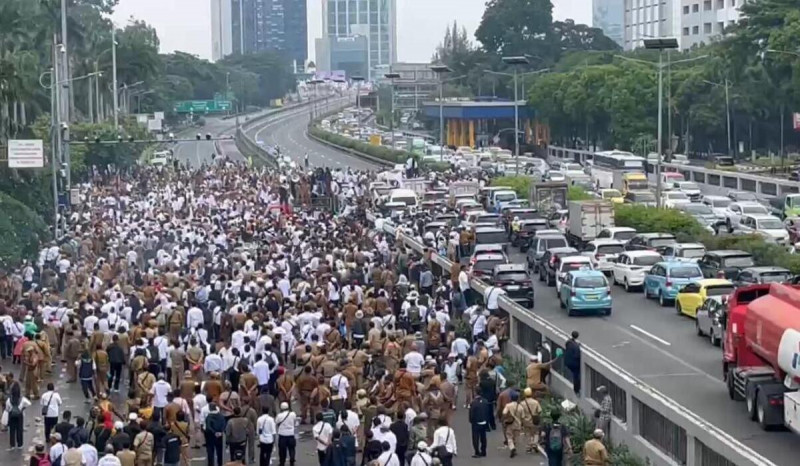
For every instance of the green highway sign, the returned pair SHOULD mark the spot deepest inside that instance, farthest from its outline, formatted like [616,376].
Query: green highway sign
[202,106]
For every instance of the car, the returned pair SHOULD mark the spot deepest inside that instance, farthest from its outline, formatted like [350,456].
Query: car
[603,252]
[719,205]
[640,197]
[567,264]
[760,275]
[704,215]
[708,320]
[728,262]
[651,242]
[548,265]
[736,210]
[673,199]
[693,295]
[769,227]
[480,249]
[491,235]
[555,175]
[527,229]
[684,252]
[558,219]
[476,218]
[742,196]
[485,263]
[451,218]
[434,226]
[524,213]
[584,290]
[629,268]
[690,188]
[514,280]
[623,234]
[664,280]
[612,195]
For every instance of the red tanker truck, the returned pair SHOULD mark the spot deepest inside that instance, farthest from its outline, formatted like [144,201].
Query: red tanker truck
[762,356]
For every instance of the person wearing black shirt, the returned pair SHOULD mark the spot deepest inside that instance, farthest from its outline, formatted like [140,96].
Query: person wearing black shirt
[78,434]
[479,413]
[65,426]
[159,433]
[116,359]
[372,448]
[121,438]
[572,359]
[400,431]
[172,449]
[487,388]
[214,430]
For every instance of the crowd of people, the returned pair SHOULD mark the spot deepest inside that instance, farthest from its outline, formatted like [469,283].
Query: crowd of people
[214,308]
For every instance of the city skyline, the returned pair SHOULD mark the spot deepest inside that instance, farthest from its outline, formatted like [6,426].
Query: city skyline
[185,25]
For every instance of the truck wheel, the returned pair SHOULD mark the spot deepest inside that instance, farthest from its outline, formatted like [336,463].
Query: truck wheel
[750,402]
[731,389]
[762,405]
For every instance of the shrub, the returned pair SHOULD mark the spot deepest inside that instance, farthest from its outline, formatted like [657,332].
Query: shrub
[649,219]
[520,184]
[22,231]
[576,193]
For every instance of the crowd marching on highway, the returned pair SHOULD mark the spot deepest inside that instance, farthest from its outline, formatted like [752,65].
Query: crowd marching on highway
[215,308]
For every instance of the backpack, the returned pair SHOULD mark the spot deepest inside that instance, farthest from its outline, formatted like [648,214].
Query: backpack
[45,460]
[15,412]
[508,417]
[413,314]
[556,441]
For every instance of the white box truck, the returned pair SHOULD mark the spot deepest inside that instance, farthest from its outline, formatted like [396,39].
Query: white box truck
[587,219]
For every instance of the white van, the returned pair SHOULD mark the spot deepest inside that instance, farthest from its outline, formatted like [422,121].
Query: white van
[406,196]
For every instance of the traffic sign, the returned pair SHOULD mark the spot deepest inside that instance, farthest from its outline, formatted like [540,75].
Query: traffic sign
[202,106]
[25,153]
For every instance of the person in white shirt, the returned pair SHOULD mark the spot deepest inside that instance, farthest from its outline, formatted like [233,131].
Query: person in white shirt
[421,457]
[414,360]
[460,346]
[388,457]
[478,324]
[52,401]
[322,433]
[492,294]
[200,406]
[89,453]
[339,386]
[213,363]
[56,447]
[160,390]
[265,429]
[109,459]
[262,371]
[446,437]
[284,426]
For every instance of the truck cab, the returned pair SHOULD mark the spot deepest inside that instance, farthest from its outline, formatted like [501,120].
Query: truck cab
[787,205]
[634,182]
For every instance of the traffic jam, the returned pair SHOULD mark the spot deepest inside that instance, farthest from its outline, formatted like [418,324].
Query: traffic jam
[545,243]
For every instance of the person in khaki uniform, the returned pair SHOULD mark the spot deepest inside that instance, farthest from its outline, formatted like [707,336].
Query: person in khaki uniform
[530,415]
[534,375]
[177,357]
[595,452]
[45,367]
[103,366]
[143,445]
[144,382]
[306,384]
[72,351]
[511,422]
[126,456]
[194,357]
[31,360]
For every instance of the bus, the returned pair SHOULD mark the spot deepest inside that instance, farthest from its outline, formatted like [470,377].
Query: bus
[605,164]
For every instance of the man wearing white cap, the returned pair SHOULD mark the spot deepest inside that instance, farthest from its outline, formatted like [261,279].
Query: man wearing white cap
[284,426]
[422,457]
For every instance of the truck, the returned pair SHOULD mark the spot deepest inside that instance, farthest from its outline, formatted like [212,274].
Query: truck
[547,196]
[629,181]
[761,357]
[587,219]
[785,205]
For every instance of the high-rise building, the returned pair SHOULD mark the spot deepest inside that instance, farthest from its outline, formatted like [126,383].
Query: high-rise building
[374,19]
[417,84]
[691,22]
[221,29]
[256,25]
[609,15]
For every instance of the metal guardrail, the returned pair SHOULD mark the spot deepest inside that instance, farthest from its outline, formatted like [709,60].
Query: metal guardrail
[721,180]
[651,424]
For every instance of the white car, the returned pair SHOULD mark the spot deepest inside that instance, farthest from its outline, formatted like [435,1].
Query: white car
[771,228]
[603,252]
[671,199]
[555,175]
[631,266]
[568,264]
[718,204]
[735,211]
[690,188]
[623,234]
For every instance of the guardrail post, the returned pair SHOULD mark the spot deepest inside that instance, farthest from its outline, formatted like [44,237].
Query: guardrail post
[632,409]
[693,454]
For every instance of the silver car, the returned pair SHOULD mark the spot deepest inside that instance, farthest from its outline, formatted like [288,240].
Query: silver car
[710,317]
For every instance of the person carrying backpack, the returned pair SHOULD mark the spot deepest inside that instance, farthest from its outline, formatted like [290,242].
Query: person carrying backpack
[14,419]
[556,441]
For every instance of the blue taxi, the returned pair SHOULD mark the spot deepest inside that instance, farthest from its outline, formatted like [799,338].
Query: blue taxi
[583,290]
[665,279]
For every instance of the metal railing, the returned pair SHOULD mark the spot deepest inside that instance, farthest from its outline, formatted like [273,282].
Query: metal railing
[653,426]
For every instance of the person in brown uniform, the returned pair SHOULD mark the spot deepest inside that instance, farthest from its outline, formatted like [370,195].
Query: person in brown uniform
[285,384]
[72,351]
[102,367]
[306,383]
[405,386]
[45,367]
[248,386]
[187,386]
[177,359]
[213,387]
[31,360]
[194,358]
[321,394]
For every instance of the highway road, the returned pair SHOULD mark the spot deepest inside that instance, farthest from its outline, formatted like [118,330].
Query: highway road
[653,343]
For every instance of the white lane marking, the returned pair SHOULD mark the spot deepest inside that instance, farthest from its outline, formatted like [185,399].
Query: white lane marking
[645,332]
[679,374]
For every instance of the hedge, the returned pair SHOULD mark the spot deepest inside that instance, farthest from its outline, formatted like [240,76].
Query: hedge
[522,186]
[687,229]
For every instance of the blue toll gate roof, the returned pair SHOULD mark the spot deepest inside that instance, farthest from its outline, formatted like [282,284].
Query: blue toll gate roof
[477,110]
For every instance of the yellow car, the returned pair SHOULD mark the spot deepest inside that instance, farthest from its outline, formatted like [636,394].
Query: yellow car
[612,195]
[692,295]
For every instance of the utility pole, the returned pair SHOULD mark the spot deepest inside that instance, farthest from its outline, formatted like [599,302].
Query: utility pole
[55,143]
[114,75]
[440,70]
[65,63]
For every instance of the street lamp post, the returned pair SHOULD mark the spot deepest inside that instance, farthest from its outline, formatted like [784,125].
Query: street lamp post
[391,77]
[725,85]
[114,75]
[782,108]
[358,80]
[440,70]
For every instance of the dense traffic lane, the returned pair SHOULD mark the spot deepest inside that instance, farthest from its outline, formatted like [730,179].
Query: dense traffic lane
[662,348]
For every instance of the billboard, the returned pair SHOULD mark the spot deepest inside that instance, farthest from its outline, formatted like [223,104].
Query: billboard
[25,153]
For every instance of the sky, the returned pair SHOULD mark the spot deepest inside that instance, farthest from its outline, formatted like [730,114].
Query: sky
[185,24]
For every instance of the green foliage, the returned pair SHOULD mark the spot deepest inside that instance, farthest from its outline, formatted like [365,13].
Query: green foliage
[576,193]
[515,371]
[649,219]
[22,231]
[520,184]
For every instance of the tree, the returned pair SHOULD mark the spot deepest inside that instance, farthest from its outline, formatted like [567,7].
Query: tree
[570,36]
[517,27]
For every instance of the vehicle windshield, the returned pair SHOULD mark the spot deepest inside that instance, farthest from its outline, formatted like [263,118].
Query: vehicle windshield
[611,193]
[676,195]
[637,185]
[405,200]
[739,261]
[690,185]
[743,196]
[692,253]
[685,272]
[574,167]
[512,276]
[484,218]
[646,260]
[487,265]
[754,209]
[533,227]
[770,224]
[610,249]
[698,209]
[590,282]
[775,277]
[624,235]
[433,195]
[556,174]
[567,266]
[503,197]
[719,290]
[793,201]
[658,242]
[550,243]
[721,203]
[644,197]
[491,237]
[527,215]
